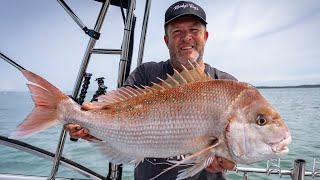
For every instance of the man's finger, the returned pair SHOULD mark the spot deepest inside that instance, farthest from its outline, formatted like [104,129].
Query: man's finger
[90,138]
[226,164]
[214,167]
[89,106]
[79,134]
[72,127]
[220,164]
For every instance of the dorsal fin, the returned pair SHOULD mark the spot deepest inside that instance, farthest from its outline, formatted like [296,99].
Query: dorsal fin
[115,96]
[122,94]
[195,74]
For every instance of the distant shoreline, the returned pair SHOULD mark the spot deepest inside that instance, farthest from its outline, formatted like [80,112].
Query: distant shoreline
[259,87]
[279,87]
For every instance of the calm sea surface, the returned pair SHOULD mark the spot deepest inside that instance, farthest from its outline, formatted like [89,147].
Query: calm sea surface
[299,107]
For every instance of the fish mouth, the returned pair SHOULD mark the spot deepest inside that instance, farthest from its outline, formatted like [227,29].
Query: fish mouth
[281,148]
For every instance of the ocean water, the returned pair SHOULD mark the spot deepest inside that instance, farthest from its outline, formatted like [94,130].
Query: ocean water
[299,107]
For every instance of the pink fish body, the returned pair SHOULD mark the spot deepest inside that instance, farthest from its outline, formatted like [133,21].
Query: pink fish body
[188,113]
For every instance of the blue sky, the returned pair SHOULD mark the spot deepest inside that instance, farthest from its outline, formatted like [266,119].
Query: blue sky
[260,42]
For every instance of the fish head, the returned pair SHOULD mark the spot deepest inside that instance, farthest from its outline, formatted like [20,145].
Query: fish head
[256,130]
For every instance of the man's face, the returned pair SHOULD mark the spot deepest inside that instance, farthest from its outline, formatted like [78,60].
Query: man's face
[185,39]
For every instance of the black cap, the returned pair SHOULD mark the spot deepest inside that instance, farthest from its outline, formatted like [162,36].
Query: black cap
[182,8]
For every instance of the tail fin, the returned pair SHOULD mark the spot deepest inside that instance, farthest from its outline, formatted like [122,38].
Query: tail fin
[46,98]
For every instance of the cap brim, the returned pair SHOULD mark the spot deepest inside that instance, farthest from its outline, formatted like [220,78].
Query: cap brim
[185,14]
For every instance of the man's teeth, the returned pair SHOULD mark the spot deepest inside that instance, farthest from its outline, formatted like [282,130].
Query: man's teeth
[186,48]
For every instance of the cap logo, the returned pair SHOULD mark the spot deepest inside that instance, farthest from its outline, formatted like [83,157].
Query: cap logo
[189,5]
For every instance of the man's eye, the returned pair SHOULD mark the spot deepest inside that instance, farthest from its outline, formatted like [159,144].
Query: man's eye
[195,30]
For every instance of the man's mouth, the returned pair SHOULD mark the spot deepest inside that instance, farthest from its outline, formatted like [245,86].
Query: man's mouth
[186,48]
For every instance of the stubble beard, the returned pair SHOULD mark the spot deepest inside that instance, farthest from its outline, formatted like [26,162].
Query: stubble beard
[177,61]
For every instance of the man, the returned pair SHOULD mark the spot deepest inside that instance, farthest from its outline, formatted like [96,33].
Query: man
[185,37]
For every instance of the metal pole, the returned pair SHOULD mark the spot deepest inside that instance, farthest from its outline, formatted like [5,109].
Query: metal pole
[125,44]
[315,170]
[90,46]
[299,169]
[245,176]
[106,51]
[144,31]
[115,170]
[56,161]
[14,64]
[71,13]
[76,89]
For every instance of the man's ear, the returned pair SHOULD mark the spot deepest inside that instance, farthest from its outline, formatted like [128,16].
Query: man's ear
[166,39]
[206,35]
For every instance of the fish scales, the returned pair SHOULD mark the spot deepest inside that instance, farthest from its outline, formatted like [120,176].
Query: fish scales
[172,120]
[203,117]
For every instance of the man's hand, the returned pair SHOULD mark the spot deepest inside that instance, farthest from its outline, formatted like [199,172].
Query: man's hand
[77,132]
[220,164]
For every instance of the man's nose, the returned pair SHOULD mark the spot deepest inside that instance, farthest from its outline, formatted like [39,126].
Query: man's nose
[186,36]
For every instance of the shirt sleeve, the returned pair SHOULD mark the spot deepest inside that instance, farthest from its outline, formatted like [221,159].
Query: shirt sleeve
[224,75]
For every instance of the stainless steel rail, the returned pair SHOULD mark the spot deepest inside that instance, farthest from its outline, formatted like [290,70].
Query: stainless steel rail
[144,31]
[115,170]
[315,169]
[299,169]
[90,46]
[71,14]
[126,43]
[22,146]
[76,88]
[28,177]
[106,51]
[297,173]
[14,64]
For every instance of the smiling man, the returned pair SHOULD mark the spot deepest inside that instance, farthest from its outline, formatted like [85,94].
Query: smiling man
[185,37]
[185,34]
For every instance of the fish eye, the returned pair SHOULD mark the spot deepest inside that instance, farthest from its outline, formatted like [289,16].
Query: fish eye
[261,120]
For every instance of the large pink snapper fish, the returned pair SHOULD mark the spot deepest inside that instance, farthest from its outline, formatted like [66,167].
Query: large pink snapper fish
[188,113]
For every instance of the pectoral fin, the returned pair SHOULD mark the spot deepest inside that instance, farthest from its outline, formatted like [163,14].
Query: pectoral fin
[203,162]
[198,158]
